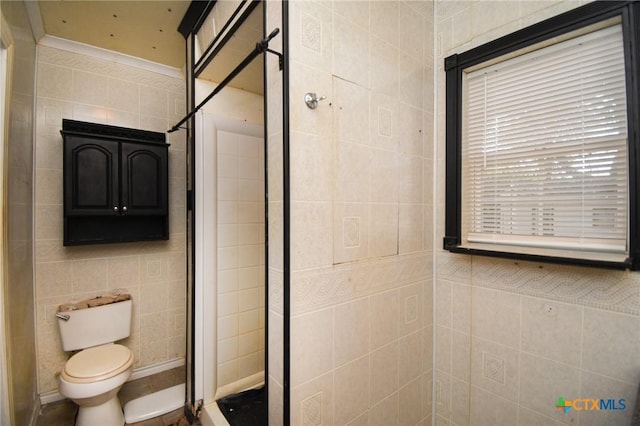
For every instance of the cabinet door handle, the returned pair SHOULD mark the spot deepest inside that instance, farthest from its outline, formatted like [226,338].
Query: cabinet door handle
[124,209]
[115,208]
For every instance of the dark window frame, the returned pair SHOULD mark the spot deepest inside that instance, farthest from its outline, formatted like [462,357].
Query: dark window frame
[454,66]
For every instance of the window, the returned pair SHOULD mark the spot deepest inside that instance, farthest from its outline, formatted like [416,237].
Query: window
[542,141]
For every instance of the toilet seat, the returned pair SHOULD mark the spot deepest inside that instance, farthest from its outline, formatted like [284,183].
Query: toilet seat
[97,363]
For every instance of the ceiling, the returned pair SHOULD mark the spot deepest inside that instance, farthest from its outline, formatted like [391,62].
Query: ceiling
[144,29]
[148,29]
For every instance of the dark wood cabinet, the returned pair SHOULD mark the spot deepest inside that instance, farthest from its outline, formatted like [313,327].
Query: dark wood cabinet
[115,184]
[91,176]
[143,173]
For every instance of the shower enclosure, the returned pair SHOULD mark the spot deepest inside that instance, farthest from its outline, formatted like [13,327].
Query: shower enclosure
[227,46]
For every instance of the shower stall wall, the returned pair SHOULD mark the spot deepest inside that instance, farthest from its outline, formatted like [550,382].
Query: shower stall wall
[230,245]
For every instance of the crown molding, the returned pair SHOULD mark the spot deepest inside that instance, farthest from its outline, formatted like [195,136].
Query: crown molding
[109,55]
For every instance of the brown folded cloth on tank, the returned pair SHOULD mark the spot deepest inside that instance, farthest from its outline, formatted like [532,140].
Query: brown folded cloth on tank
[96,301]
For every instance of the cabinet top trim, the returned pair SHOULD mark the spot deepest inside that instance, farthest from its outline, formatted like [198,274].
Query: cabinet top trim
[82,128]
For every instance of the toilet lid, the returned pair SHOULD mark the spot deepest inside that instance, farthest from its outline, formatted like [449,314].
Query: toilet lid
[98,361]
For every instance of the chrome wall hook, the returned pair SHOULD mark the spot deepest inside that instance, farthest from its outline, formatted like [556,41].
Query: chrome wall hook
[311,99]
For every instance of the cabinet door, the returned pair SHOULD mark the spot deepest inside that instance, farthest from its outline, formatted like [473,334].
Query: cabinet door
[91,176]
[144,179]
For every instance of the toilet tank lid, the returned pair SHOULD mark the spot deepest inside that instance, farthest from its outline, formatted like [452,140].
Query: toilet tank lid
[93,302]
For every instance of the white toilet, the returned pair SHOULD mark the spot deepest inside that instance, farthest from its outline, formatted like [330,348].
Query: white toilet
[93,377]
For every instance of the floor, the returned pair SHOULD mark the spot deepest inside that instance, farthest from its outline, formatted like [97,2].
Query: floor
[248,408]
[62,413]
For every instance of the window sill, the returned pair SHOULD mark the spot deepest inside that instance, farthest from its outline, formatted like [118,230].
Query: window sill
[602,260]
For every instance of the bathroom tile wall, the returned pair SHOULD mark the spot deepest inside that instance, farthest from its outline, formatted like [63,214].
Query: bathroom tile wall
[241,256]
[361,166]
[18,296]
[512,337]
[81,87]
[275,264]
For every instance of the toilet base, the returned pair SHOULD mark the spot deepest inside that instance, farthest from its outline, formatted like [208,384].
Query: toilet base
[108,413]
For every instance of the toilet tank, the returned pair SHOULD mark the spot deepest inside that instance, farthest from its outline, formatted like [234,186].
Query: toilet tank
[95,322]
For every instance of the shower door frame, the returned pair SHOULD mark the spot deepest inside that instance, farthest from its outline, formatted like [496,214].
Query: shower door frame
[195,389]
[205,289]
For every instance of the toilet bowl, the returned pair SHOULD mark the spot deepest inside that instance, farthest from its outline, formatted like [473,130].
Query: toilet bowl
[92,377]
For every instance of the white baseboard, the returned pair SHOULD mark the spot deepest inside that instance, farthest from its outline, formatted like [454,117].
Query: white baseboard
[36,412]
[150,370]
[138,373]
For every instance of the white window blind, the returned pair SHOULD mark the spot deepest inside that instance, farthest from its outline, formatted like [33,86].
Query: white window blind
[544,154]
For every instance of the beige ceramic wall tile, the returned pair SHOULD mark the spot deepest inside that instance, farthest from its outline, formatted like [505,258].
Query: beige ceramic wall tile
[364,196]
[313,402]
[248,343]
[352,390]
[411,31]
[312,225]
[535,11]
[461,355]
[443,349]
[442,395]
[495,368]
[488,409]
[410,403]
[312,178]
[461,307]
[275,396]
[383,238]
[527,417]
[351,335]
[275,346]
[410,358]
[461,394]
[496,316]
[385,412]
[305,79]
[227,327]
[384,314]
[543,381]
[611,344]
[410,78]
[123,95]
[312,354]
[227,372]
[55,278]
[410,228]
[352,164]
[49,185]
[552,330]
[89,88]
[594,386]
[351,111]
[123,271]
[89,275]
[227,304]
[384,373]
[153,298]
[410,308]
[249,321]
[443,309]
[350,51]
[63,78]
[384,59]
[351,230]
